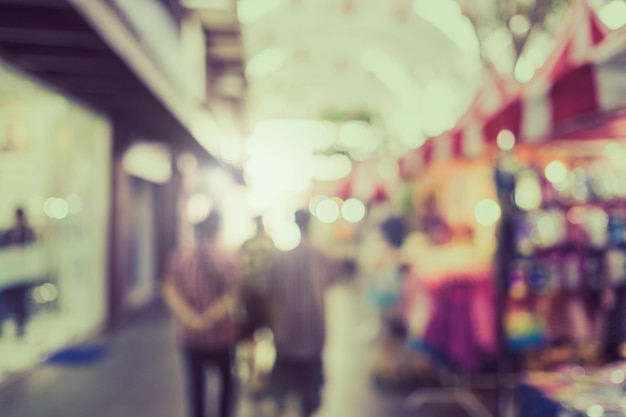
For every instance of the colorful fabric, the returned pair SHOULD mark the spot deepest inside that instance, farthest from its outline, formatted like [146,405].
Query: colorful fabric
[463,324]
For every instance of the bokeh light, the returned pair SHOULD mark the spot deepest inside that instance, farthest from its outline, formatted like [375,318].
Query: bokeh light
[314,203]
[286,236]
[487,212]
[56,208]
[198,207]
[506,140]
[327,211]
[556,172]
[353,210]
[527,193]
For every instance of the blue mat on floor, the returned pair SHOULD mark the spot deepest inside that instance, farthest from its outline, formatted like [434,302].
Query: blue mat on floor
[77,355]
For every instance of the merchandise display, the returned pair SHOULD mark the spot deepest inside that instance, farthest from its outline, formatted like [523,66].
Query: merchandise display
[552,231]
[574,391]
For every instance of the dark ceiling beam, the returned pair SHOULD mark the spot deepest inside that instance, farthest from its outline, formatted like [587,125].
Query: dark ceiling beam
[222,67]
[23,16]
[57,50]
[59,4]
[124,83]
[50,37]
[71,65]
[221,33]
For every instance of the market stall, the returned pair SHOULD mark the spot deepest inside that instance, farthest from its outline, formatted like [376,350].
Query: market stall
[552,154]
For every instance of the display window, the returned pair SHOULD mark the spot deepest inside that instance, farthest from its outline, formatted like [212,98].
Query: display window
[54,204]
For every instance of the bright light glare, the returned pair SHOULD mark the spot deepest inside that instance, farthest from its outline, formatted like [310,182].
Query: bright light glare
[284,156]
[613,14]
[265,63]
[556,172]
[505,140]
[198,207]
[56,208]
[528,193]
[286,236]
[487,212]
[250,11]
[353,210]
[327,211]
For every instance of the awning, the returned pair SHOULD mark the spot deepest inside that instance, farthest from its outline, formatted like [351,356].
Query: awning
[582,80]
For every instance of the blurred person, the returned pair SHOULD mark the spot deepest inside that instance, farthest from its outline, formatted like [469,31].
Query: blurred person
[297,282]
[201,289]
[255,253]
[14,299]
[20,233]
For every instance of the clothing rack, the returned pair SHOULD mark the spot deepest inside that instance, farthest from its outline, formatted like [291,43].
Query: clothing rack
[505,381]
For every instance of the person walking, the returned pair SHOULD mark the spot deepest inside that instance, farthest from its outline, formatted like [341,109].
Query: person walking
[255,254]
[14,298]
[297,282]
[201,290]
[20,234]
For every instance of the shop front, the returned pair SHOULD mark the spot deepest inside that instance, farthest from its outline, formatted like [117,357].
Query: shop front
[55,171]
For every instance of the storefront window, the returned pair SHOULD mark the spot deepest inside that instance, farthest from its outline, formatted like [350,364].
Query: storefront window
[54,199]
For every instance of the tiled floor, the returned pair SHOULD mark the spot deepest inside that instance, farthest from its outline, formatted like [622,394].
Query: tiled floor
[141,375]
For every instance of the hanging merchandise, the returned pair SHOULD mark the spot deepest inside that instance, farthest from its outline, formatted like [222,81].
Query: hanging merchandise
[560,275]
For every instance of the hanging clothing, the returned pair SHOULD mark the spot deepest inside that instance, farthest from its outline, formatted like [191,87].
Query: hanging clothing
[463,324]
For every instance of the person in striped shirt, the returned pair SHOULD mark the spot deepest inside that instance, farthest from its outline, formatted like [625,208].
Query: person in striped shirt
[201,289]
[297,281]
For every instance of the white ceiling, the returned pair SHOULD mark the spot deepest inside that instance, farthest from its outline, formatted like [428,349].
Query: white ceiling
[354,55]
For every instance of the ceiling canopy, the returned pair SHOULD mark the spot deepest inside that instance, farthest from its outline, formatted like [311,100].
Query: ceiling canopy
[411,64]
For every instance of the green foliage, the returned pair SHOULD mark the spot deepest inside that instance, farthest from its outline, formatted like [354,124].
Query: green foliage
[339,116]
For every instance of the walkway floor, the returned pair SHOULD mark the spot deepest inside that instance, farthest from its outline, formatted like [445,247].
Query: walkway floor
[141,375]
